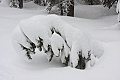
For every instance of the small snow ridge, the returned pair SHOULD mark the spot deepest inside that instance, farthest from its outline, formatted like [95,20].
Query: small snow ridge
[114,27]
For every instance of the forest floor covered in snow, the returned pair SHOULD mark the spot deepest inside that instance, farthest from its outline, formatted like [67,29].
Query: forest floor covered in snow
[13,67]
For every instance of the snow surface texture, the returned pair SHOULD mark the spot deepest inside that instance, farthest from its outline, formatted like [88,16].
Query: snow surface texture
[14,68]
[53,36]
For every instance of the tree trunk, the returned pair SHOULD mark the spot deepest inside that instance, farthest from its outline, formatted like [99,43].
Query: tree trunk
[20,4]
[61,9]
[91,2]
[5,2]
[71,9]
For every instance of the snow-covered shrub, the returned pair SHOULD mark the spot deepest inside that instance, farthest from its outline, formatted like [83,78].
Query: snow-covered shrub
[55,37]
[52,8]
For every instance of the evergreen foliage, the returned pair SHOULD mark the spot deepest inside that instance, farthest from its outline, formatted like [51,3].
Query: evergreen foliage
[65,7]
[20,4]
[16,4]
[109,3]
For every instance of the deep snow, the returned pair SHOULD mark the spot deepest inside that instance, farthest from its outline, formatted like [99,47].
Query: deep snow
[13,67]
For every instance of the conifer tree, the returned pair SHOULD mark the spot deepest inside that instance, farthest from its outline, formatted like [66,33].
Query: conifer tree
[20,4]
[109,3]
[65,6]
[71,8]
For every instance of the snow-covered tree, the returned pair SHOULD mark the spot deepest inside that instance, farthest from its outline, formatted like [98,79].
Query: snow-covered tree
[13,3]
[65,7]
[55,37]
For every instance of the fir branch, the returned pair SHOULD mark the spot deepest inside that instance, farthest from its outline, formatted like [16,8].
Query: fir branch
[40,43]
[28,51]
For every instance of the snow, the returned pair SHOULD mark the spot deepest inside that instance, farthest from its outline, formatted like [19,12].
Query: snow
[85,45]
[12,67]
[97,48]
[92,61]
[42,32]
[57,42]
[17,41]
[87,11]
[114,27]
[74,54]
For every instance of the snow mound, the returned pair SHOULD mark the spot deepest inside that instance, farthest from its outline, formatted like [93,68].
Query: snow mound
[57,46]
[53,36]
[31,5]
[5,73]
[5,76]
[93,11]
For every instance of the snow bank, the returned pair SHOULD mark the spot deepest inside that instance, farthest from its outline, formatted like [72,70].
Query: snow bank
[56,37]
[5,2]
[57,44]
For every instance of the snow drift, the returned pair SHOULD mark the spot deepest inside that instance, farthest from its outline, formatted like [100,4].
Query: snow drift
[51,35]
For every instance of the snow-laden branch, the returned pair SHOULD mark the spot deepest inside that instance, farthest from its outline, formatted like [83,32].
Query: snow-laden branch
[55,37]
[118,10]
